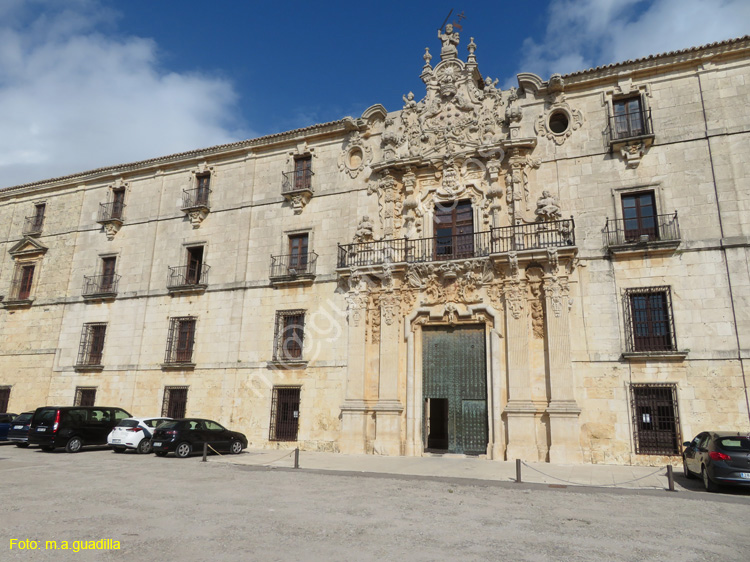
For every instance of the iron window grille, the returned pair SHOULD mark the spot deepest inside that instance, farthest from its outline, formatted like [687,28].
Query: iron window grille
[174,404]
[655,419]
[630,119]
[85,396]
[92,344]
[197,198]
[284,413]
[301,178]
[4,398]
[649,324]
[180,340]
[289,335]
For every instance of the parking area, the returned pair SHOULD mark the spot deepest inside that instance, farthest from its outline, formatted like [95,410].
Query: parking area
[169,508]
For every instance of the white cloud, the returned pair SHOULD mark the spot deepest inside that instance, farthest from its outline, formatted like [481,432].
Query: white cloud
[74,98]
[587,33]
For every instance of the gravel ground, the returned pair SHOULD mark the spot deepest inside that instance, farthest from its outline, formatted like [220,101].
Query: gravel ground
[182,509]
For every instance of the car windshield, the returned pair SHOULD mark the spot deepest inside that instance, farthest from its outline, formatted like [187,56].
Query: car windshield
[735,444]
[128,423]
[23,418]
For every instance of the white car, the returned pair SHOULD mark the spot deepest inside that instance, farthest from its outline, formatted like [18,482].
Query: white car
[134,433]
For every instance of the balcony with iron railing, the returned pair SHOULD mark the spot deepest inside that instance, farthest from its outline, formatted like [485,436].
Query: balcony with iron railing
[188,278]
[110,212]
[630,126]
[100,286]
[195,199]
[32,226]
[296,181]
[293,268]
[660,232]
[496,241]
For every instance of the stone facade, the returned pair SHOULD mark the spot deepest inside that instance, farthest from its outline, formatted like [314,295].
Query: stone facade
[594,225]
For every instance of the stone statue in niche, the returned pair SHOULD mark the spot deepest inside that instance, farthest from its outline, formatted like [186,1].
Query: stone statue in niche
[365,231]
[546,208]
[450,42]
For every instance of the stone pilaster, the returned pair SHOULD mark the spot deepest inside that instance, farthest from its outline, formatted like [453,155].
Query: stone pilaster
[388,408]
[563,411]
[520,410]
[354,408]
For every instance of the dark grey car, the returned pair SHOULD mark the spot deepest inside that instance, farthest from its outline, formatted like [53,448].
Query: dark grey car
[719,458]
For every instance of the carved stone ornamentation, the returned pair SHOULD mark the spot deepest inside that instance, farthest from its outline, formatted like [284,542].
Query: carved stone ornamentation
[197,216]
[389,304]
[546,208]
[632,153]
[514,297]
[355,156]
[365,231]
[450,282]
[536,301]
[556,290]
[450,313]
[112,228]
[559,120]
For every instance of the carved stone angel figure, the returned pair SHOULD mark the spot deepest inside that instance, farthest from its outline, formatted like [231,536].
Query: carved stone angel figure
[450,42]
[546,208]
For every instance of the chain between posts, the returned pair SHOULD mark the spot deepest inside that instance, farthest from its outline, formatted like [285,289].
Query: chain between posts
[670,477]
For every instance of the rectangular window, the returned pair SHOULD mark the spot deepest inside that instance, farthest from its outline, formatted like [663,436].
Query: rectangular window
[284,414]
[24,279]
[302,172]
[454,230]
[174,404]
[4,398]
[39,210]
[202,189]
[108,274]
[639,216]
[194,265]
[289,336]
[628,119]
[655,421]
[298,253]
[85,396]
[650,325]
[92,344]
[180,340]
[118,203]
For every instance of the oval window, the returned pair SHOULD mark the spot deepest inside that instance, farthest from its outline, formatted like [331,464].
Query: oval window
[558,122]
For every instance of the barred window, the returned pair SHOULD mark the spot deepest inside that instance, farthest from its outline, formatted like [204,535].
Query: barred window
[92,344]
[284,414]
[4,398]
[289,335]
[85,396]
[174,404]
[649,323]
[180,340]
[655,420]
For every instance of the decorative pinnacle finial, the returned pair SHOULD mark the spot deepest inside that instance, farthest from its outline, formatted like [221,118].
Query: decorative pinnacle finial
[471,47]
[427,56]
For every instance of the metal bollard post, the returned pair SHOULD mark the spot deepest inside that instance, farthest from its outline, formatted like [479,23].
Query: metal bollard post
[296,457]
[670,478]
[518,471]
[205,451]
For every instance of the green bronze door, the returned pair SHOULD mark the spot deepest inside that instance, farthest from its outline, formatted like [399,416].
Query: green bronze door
[454,389]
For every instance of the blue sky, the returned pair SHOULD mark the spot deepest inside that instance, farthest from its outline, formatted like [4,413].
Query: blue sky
[90,83]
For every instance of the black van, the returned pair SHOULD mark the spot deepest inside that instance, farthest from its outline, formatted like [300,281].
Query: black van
[73,427]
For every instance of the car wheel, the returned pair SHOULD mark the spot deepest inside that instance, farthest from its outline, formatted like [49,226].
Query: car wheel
[47,448]
[22,445]
[144,447]
[183,450]
[161,453]
[235,448]
[74,445]
[118,449]
[709,484]
[685,469]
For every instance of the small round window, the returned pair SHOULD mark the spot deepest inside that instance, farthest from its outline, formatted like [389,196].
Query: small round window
[558,122]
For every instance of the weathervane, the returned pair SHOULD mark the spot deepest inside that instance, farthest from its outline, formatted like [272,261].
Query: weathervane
[450,38]
[456,23]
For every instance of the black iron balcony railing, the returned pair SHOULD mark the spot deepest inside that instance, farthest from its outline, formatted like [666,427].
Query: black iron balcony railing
[620,232]
[299,180]
[293,265]
[94,285]
[186,276]
[195,198]
[630,125]
[33,225]
[111,211]
[499,240]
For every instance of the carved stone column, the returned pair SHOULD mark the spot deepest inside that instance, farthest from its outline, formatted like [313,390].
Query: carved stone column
[354,408]
[520,410]
[388,408]
[563,411]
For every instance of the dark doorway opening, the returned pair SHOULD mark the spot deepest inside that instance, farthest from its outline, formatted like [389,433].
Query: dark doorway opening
[437,423]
